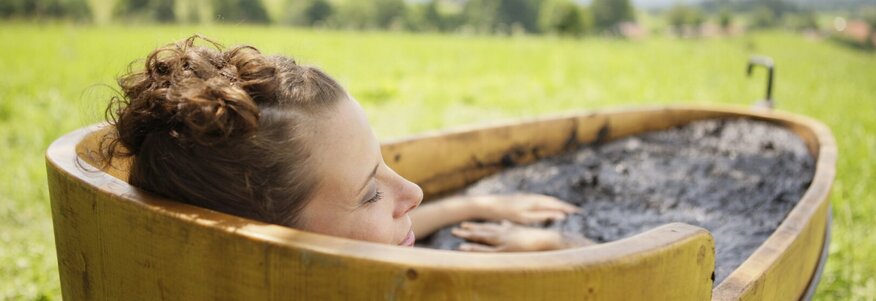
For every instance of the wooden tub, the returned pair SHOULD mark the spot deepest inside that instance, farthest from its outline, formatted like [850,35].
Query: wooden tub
[116,242]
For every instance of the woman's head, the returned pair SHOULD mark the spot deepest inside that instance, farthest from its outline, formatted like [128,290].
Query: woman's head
[257,136]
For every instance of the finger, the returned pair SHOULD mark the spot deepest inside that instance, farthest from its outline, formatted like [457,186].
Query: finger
[541,216]
[469,225]
[481,226]
[488,236]
[485,229]
[461,233]
[470,247]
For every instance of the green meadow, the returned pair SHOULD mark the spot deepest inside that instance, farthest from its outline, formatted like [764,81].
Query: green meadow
[55,78]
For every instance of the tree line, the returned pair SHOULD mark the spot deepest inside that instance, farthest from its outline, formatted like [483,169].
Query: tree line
[760,14]
[567,17]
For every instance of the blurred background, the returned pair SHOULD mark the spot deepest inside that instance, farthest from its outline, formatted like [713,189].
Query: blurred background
[420,65]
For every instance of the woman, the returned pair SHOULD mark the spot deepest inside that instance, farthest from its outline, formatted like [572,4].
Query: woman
[265,138]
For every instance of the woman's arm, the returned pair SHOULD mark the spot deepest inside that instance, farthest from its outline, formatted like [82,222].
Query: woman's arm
[435,215]
[508,237]
[520,208]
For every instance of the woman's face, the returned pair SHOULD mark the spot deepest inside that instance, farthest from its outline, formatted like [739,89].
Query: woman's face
[358,197]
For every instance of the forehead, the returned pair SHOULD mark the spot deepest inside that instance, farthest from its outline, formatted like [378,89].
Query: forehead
[345,150]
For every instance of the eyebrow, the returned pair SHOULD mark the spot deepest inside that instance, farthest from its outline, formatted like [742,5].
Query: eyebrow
[373,172]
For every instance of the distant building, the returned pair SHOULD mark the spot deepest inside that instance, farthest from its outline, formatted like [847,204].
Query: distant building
[856,31]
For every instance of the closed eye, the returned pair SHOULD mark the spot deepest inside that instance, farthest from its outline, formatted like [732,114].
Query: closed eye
[377,196]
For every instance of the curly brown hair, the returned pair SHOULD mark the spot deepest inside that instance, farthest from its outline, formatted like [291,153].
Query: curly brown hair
[222,129]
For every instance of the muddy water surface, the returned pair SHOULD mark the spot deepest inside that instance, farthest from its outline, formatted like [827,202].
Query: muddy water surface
[737,178]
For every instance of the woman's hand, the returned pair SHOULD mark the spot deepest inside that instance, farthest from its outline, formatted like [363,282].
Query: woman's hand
[508,237]
[521,208]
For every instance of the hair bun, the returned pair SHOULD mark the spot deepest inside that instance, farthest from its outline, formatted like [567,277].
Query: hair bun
[193,94]
[209,112]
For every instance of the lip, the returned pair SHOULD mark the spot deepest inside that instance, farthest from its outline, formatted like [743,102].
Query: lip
[409,240]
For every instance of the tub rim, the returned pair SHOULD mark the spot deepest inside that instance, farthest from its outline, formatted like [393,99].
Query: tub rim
[62,156]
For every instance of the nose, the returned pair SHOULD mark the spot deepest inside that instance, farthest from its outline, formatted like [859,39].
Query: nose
[409,197]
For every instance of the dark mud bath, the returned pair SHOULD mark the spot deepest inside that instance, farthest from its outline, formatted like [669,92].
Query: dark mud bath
[738,178]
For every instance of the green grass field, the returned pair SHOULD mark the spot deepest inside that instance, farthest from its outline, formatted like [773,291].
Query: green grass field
[56,78]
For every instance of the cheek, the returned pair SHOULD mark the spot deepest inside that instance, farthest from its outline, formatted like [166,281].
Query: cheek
[376,223]
[373,223]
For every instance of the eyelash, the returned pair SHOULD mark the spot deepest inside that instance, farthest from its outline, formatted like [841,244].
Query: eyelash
[377,197]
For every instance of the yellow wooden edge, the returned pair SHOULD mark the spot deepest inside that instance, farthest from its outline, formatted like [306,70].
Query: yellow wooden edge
[780,269]
[750,281]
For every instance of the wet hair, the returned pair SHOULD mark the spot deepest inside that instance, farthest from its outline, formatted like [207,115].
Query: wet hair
[222,129]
